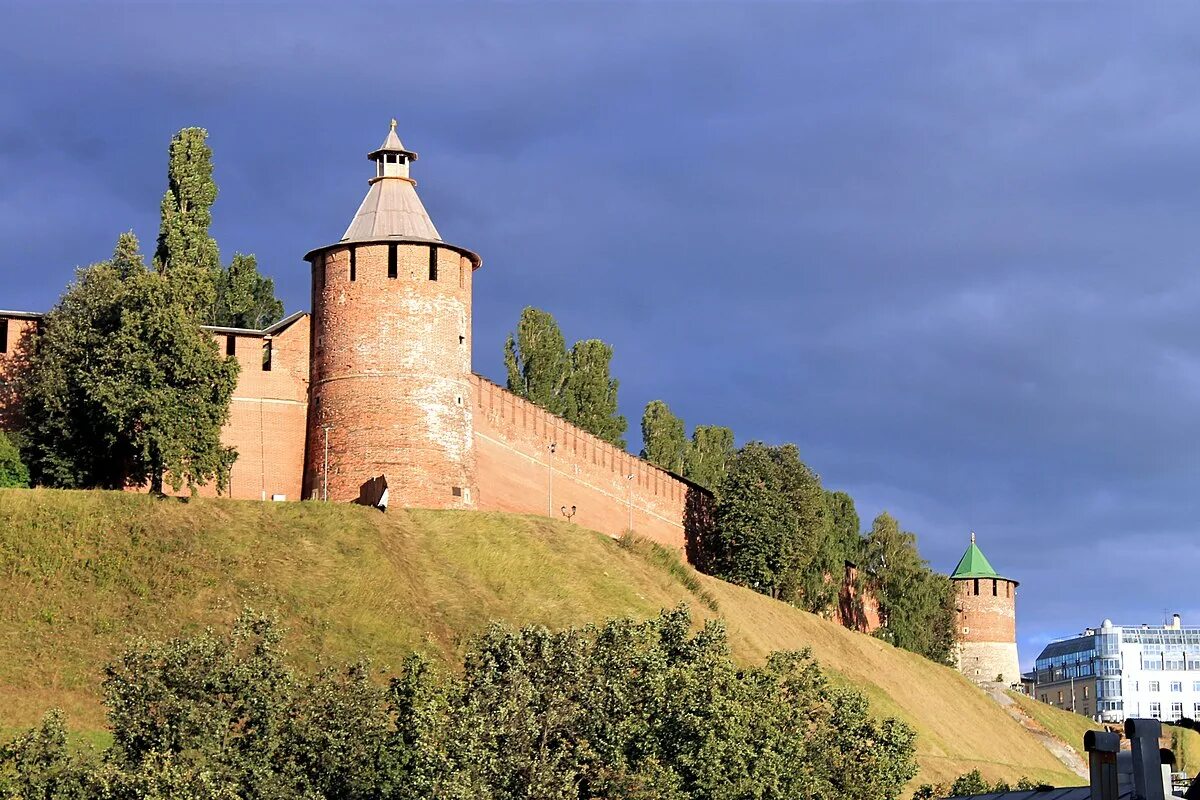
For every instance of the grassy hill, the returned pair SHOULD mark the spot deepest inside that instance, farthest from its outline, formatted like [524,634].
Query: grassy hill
[80,572]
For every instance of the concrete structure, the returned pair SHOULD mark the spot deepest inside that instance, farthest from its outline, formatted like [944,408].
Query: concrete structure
[986,606]
[1115,672]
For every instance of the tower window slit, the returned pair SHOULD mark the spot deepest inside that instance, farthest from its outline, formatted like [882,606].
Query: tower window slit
[393,261]
[433,264]
[4,335]
[267,355]
[353,263]
[977,587]
[230,345]
[994,588]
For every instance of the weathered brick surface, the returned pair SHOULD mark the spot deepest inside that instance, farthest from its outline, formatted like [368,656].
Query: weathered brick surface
[858,611]
[987,628]
[391,375]
[516,472]
[12,360]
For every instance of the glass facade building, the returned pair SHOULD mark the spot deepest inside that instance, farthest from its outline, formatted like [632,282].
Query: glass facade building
[1115,672]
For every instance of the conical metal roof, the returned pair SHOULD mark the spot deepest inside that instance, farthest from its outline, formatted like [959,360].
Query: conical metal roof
[391,209]
[974,564]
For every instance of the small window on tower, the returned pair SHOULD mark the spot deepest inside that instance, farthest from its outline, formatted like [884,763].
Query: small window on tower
[977,587]
[231,345]
[456,491]
[353,263]
[267,355]
[3,335]
[995,588]
[393,261]
[433,263]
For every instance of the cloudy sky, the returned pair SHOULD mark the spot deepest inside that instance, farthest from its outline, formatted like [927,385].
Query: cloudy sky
[950,250]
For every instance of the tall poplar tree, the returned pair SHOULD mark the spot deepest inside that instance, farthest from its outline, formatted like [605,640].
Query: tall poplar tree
[707,455]
[663,437]
[591,392]
[187,255]
[537,362]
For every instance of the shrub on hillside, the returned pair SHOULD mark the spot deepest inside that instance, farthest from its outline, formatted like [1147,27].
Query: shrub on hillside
[624,710]
[13,472]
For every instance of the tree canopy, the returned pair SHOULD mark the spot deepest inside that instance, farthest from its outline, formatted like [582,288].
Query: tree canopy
[707,455]
[663,437]
[590,396]
[537,362]
[244,298]
[123,386]
[629,710]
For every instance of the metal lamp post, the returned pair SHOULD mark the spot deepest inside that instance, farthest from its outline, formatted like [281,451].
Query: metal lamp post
[550,480]
[568,514]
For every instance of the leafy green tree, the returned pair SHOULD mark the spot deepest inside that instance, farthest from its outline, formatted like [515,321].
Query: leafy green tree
[843,517]
[127,257]
[13,472]
[186,253]
[663,437]
[537,362]
[773,531]
[916,603]
[591,392]
[627,710]
[124,387]
[706,456]
[245,299]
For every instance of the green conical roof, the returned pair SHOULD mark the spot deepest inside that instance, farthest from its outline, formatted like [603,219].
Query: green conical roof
[974,564]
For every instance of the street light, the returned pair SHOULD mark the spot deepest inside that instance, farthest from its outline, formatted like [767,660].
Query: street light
[550,480]
[569,514]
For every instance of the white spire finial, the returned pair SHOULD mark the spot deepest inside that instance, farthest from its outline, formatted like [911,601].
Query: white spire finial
[972,537]
[393,123]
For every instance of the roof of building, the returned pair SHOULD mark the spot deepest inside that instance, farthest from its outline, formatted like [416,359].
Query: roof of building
[391,209]
[1068,793]
[974,564]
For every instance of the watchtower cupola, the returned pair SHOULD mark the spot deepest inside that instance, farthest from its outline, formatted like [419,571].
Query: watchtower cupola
[392,159]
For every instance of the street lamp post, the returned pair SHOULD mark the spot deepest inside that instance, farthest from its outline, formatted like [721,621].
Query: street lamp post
[568,514]
[550,480]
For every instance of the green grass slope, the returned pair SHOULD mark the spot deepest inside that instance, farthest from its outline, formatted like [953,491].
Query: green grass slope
[81,572]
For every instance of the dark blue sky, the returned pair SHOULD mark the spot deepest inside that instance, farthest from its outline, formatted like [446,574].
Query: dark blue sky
[949,250]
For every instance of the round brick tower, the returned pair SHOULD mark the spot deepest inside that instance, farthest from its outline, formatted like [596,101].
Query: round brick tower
[390,380]
[986,606]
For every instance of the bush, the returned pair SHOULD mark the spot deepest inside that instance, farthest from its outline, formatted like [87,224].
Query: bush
[624,710]
[13,472]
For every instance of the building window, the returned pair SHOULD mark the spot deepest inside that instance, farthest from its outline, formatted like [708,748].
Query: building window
[1176,711]
[977,587]
[1154,686]
[1156,710]
[267,356]
[3,335]
[231,345]
[1060,698]
[1085,691]
[456,491]
[1196,686]
[353,263]
[995,588]
[1195,710]
[433,263]
[1007,589]
[393,261]
[1176,686]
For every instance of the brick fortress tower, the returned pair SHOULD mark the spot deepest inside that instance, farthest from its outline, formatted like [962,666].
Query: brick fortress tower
[390,380]
[987,620]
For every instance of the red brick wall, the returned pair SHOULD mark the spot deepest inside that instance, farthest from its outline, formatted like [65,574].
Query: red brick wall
[391,375]
[986,617]
[12,361]
[858,611]
[267,415]
[512,473]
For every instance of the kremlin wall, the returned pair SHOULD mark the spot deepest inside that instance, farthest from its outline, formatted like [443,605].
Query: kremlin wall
[377,381]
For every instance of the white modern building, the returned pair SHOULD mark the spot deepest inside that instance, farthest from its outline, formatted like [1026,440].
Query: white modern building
[1118,672]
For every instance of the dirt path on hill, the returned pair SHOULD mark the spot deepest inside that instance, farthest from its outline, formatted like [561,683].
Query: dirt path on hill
[1061,750]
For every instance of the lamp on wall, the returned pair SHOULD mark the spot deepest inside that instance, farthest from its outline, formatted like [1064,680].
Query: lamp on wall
[568,514]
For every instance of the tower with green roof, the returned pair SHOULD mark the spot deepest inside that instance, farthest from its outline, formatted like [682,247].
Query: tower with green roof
[986,615]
